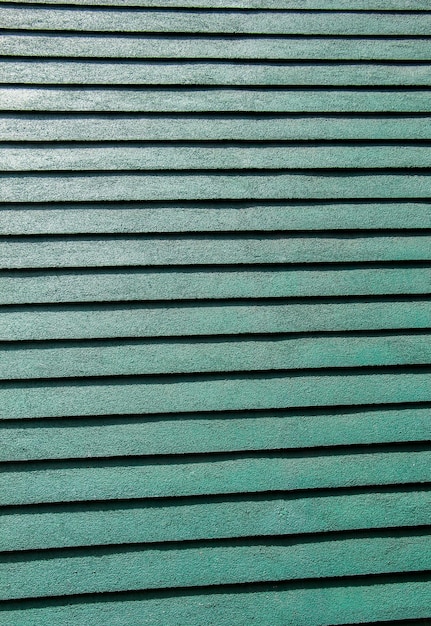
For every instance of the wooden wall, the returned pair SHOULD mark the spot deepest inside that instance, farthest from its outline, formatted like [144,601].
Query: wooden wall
[215,310]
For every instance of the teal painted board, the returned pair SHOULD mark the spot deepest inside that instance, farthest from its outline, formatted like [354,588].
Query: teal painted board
[210,99]
[217,216]
[41,128]
[160,477]
[87,72]
[103,321]
[230,516]
[173,47]
[210,156]
[32,361]
[215,314]
[289,22]
[197,433]
[111,569]
[155,284]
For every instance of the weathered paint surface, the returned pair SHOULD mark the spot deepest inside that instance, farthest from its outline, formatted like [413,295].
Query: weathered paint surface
[215,312]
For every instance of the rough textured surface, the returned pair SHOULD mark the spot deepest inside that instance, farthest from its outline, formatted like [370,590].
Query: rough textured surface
[215,312]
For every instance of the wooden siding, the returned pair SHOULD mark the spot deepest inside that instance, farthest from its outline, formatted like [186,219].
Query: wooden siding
[215,312]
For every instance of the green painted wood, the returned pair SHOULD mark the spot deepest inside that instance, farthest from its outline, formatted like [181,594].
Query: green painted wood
[48,157]
[172,250]
[147,217]
[204,99]
[215,185]
[294,605]
[147,521]
[20,287]
[208,563]
[89,480]
[258,22]
[345,5]
[72,72]
[210,432]
[168,356]
[176,128]
[214,48]
[211,392]
[216,318]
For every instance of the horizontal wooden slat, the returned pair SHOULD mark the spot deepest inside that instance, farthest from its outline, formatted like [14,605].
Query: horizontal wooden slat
[58,526]
[213,48]
[257,22]
[114,285]
[345,5]
[172,250]
[210,432]
[206,186]
[152,356]
[171,394]
[213,73]
[146,128]
[217,318]
[339,602]
[67,218]
[112,569]
[31,98]
[79,157]
[89,480]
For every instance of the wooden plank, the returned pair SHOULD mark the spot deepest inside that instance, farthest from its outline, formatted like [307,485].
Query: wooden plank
[60,526]
[112,251]
[216,318]
[48,127]
[103,569]
[20,287]
[49,157]
[236,73]
[90,480]
[210,432]
[173,47]
[345,5]
[204,99]
[142,186]
[294,605]
[254,22]
[180,356]
[211,392]
[68,218]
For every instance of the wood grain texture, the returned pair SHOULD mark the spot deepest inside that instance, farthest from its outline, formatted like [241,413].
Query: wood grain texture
[204,99]
[211,217]
[295,73]
[222,517]
[292,604]
[20,287]
[104,321]
[182,476]
[254,22]
[199,433]
[211,392]
[210,47]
